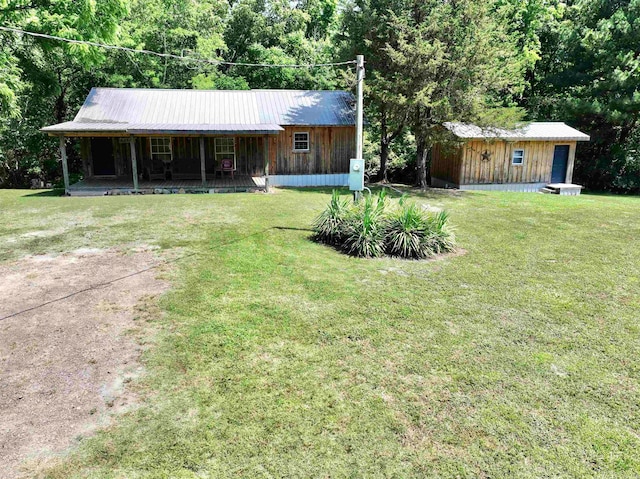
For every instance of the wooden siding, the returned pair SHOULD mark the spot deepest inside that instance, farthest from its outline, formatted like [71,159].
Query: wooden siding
[446,163]
[330,150]
[250,155]
[467,166]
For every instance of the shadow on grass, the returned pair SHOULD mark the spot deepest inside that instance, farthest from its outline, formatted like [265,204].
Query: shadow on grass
[308,230]
[45,193]
[395,191]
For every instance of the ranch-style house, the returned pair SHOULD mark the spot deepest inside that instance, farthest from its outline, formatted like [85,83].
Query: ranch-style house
[155,140]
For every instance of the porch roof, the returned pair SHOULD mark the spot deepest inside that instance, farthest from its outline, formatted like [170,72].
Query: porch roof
[162,128]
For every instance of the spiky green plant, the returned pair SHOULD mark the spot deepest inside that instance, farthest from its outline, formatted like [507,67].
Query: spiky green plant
[441,236]
[330,225]
[365,230]
[406,232]
[415,233]
[370,229]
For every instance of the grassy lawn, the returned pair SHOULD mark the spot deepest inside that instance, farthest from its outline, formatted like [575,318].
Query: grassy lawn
[278,357]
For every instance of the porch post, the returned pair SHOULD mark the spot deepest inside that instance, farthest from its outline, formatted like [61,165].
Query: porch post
[65,167]
[266,163]
[570,163]
[203,166]
[134,163]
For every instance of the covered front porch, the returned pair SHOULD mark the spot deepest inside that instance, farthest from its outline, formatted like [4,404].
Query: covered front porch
[153,162]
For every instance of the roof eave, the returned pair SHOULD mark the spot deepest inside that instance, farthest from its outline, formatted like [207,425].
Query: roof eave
[496,138]
[202,132]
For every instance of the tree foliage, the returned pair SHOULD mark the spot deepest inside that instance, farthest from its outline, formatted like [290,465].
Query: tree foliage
[589,75]
[491,62]
[433,61]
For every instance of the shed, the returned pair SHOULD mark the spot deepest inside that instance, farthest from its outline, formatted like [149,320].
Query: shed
[537,156]
[155,139]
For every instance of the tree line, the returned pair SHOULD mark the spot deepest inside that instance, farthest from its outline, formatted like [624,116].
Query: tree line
[491,62]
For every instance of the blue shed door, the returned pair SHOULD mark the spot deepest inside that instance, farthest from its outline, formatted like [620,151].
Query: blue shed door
[560,160]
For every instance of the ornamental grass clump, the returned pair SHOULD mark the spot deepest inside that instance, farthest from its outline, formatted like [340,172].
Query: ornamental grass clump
[329,227]
[407,232]
[415,233]
[365,228]
[372,228]
[441,236]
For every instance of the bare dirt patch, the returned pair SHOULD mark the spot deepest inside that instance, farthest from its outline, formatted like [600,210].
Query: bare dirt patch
[64,366]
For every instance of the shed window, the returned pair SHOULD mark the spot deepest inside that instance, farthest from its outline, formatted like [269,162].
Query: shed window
[225,150]
[161,149]
[518,157]
[301,141]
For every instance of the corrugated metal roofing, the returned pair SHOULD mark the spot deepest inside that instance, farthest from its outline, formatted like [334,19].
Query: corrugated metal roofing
[258,128]
[305,107]
[137,128]
[126,109]
[536,131]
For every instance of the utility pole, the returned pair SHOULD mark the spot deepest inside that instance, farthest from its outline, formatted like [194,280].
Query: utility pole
[356,169]
[359,107]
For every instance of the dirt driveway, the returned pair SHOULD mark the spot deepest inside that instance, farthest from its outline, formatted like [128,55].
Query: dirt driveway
[64,366]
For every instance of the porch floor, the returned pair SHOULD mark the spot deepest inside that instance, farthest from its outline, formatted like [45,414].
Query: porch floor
[226,184]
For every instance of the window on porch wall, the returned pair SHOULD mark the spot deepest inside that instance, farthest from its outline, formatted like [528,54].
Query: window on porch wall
[225,149]
[161,154]
[161,149]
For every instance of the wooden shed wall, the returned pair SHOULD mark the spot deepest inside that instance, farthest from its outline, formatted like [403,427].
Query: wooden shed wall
[330,150]
[446,163]
[468,168]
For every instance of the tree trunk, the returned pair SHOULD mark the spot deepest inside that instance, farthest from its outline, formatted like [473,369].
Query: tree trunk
[386,138]
[384,145]
[421,160]
[384,158]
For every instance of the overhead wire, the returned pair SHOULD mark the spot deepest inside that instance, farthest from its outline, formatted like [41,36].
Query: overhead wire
[171,55]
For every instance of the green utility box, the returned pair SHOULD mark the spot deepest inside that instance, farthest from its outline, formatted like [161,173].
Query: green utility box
[356,175]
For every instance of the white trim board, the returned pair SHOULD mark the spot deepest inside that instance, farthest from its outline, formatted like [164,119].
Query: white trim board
[336,179]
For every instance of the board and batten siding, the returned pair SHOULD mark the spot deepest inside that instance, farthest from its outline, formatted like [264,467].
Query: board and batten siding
[466,165]
[446,162]
[330,150]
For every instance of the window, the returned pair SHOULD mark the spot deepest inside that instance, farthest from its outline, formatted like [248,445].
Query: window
[301,141]
[161,149]
[225,150]
[518,157]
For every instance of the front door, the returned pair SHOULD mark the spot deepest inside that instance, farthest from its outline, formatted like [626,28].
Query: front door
[102,157]
[560,161]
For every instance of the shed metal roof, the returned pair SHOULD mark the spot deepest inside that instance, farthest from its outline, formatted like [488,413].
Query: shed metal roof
[207,111]
[536,131]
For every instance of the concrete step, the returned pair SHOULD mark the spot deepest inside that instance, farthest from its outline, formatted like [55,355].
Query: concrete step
[565,189]
[549,191]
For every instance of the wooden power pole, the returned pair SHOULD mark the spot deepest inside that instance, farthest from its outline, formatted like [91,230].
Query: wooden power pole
[359,103]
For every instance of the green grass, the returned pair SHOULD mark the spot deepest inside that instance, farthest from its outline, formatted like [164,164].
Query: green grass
[279,357]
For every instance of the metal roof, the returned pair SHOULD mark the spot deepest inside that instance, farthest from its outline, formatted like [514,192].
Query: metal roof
[207,111]
[181,128]
[536,131]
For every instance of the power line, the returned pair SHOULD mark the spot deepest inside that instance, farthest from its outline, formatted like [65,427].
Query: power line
[171,55]
[135,273]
